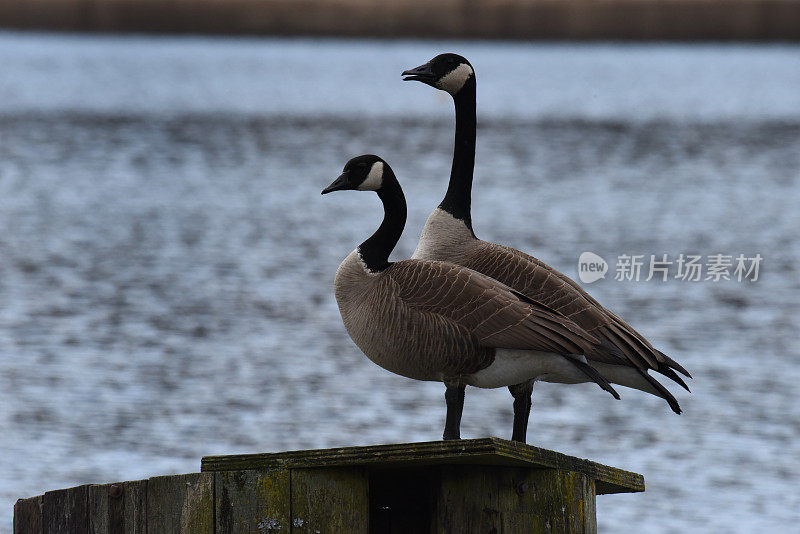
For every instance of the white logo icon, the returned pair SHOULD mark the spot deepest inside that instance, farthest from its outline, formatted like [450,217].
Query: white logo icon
[591,267]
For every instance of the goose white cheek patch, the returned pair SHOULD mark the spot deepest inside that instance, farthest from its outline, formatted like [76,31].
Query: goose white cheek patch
[374,179]
[455,79]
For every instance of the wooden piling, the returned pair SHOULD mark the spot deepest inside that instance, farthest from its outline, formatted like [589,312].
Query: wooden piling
[478,485]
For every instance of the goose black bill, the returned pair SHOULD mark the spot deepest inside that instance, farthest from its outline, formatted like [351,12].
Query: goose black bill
[423,73]
[340,184]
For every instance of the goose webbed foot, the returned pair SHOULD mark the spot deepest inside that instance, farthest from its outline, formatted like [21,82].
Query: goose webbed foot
[454,397]
[522,409]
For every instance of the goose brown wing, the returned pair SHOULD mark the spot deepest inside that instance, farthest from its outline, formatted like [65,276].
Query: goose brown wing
[488,310]
[540,282]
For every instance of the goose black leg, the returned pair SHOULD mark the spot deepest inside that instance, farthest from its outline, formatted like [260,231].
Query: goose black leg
[522,409]
[454,396]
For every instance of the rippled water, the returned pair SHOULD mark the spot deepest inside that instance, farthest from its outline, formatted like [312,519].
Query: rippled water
[166,259]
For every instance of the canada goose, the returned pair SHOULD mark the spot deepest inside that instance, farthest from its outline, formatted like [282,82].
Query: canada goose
[433,320]
[448,236]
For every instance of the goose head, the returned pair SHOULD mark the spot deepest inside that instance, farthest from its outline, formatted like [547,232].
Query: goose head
[362,173]
[448,72]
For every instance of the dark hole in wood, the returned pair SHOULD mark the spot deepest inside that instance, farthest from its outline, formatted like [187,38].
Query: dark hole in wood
[400,500]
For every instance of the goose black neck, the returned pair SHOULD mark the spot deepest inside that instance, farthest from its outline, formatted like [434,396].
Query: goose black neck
[375,250]
[457,202]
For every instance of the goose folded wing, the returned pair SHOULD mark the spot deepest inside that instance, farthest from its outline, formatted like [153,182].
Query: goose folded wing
[491,312]
[537,280]
[540,282]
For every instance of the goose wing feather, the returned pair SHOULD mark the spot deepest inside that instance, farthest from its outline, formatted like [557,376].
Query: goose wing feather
[488,310]
[540,282]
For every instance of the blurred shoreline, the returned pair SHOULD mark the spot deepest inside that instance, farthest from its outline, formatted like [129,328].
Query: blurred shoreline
[666,20]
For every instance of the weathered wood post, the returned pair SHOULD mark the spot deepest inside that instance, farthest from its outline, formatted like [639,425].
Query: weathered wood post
[478,485]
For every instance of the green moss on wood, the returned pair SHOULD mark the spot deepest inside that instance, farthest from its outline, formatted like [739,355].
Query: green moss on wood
[484,451]
[330,500]
[483,485]
[252,501]
[513,500]
[181,504]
